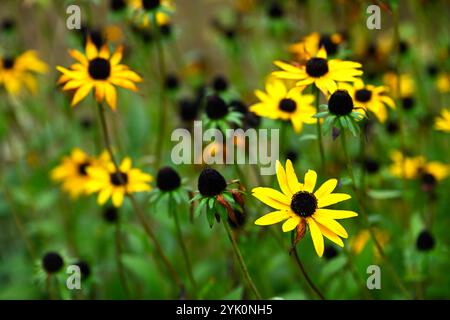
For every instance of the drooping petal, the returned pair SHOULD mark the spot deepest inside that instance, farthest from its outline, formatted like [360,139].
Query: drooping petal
[291,224]
[272,218]
[331,235]
[316,236]
[331,224]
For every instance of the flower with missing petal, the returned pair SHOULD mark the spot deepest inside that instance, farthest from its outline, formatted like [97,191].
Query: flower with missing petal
[298,205]
[100,71]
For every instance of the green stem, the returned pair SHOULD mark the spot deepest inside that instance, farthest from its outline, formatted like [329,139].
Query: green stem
[137,209]
[183,247]
[241,261]
[319,128]
[118,253]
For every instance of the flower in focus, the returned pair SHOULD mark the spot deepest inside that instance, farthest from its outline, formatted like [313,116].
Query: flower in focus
[319,70]
[310,45]
[72,172]
[18,72]
[97,70]
[442,122]
[110,183]
[370,97]
[280,102]
[298,205]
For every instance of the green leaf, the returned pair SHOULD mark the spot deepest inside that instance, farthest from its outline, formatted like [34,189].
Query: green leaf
[210,216]
[321,115]
[222,211]
[307,137]
[384,194]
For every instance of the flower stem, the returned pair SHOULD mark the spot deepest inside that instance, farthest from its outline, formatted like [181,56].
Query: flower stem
[138,210]
[316,92]
[183,247]
[241,261]
[305,274]
[365,216]
[118,253]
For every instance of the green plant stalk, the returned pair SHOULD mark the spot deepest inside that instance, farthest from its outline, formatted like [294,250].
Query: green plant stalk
[363,212]
[241,261]
[316,92]
[138,210]
[184,250]
[118,254]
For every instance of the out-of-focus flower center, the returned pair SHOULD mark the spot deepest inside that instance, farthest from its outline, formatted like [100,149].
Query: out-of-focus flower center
[119,178]
[363,95]
[150,4]
[304,204]
[99,69]
[316,67]
[287,105]
[82,168]
[8,63]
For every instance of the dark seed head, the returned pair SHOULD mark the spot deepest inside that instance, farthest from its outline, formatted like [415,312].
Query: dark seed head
[287,105]
[408,103]
[82,168]
[404,46]
[117,5]
[363,95]
[171,82]
[330,47]
[8,63]
[428,181]
[211,183]
[167,179]
[240,220]
[99,69]
[52,262]
[340,103]
[425,241]
[216,107]
[150,4]
[7,24]
[84,268]
[96,36]
[275,11]
[239,106]
[432,70]
[330,252]
[111,214]
[119,178]
[304,204]
[392,127]
[292,155]
[188,109]
[86,123]
[229,33]
[166,29]
[316,67]
[220,83]
[372,166]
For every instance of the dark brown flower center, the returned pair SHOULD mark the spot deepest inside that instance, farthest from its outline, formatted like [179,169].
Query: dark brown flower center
[150,4]
[287,105]
[119,178]
[363,95]
[330,47]
[99,69]
[340,103]
[304,204]
[8,63]
[316,67]
[82,168]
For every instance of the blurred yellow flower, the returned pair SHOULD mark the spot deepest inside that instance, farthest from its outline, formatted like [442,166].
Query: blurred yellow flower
[320,71]
[359,241]
[370,97]
[442,122]
[414,167]
[407,85]
[72,172]
[281,102]
[299,205]
[110,183]
[310,45]
[18,72]
[443,82]
[97,70]
[146,10]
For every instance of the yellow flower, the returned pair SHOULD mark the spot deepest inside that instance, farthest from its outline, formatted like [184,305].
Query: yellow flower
[369,97]
[72,172]
[98,70]
[442,123]
[443,82]
[359,241]
[145,10]
[414,167]
[319,70]
[110,183]
[407,86]
[310,45]
[18,72]
[298,205]
[282,102]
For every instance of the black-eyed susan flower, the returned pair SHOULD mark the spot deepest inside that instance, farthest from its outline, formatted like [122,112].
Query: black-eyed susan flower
[321,71]
[110,183]
[19,72]
[152,12]
[310,45]
[371,98]
[99,71]
[218,114]
[341,111]
[52,262]
[425,241]
[169,186]
[72,172]
[443,82]
[298,205]
[442,123]
[407,88]
[284,103]
[359,241]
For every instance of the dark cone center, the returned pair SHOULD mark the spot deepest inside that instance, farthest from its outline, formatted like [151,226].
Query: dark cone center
[216,108]
[99,69]
[304,204]
[211,183]
[82,168]
[287,105]
[119,178]
[150,4]
[340,103]
[8,63]
[167,179]
[363,95]
[316,67]
[330,47]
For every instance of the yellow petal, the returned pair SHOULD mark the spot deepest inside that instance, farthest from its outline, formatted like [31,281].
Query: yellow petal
[316,236]
[336,214]
[270,200]
[125,165]
[272,218]
[331,235]
[291,224]
[331,224]
[81,93]
[117,198]
[111,95]
[310,181]
[91,49]
[104,195]
[332,199]
[291,177]
[326,188]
